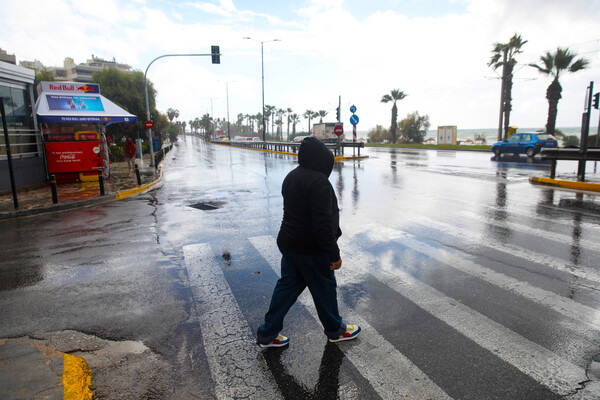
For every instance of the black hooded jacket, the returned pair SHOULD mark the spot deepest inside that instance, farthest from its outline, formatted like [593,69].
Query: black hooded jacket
[311,221]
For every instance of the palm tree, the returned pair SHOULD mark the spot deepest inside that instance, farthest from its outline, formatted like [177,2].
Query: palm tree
[309,114]
[554,64]
[259,121]
[503,55]
[269,114]
[294,118]
[279,123]
[288,112]
[395,95]
[172,113]
[321,113]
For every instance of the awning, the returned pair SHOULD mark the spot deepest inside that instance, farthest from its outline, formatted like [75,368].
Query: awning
[75,108]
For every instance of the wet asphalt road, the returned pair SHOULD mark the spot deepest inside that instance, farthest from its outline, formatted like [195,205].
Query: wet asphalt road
[469,282]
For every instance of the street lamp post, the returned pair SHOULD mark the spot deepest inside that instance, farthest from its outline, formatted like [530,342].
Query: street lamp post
[262,62]
[146,89]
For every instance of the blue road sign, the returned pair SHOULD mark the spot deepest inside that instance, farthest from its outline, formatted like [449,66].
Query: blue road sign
[353,109]
[354,119]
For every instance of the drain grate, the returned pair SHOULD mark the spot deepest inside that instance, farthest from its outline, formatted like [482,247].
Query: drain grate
[207,205]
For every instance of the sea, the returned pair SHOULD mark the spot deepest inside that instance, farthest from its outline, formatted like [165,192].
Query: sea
[491,134]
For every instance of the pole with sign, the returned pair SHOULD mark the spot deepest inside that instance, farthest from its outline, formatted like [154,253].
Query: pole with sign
[354,122]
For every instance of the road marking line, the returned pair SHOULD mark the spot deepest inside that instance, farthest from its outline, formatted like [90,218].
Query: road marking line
[579,271]
[565,306]
[557,237]
[228,342]
[391,374]
[547,368]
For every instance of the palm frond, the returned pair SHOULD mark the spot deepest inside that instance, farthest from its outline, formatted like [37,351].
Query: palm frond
[580,64]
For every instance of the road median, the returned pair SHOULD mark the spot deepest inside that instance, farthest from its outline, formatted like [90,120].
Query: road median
[588,186]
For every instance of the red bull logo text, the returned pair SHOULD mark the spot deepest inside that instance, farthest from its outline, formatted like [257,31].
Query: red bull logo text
[69,87]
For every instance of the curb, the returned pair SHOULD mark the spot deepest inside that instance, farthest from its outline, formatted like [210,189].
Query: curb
[30,369]
[86,203]
[592,187]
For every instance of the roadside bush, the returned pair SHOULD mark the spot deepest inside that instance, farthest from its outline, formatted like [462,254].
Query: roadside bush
[379,134]
[571,141]
[117,153]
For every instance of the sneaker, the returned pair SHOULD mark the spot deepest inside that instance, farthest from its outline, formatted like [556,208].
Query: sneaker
[279,341]
[352,332]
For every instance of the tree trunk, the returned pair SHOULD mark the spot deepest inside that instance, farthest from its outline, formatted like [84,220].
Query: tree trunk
[553,94]
[508,98]
[394,125]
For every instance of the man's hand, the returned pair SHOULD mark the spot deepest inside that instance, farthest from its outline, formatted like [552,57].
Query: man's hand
[336,265]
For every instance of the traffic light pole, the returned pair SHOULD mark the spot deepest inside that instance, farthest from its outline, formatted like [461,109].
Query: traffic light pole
[585,129]
[215,54]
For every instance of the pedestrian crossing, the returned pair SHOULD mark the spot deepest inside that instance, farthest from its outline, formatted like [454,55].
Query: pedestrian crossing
[238,372]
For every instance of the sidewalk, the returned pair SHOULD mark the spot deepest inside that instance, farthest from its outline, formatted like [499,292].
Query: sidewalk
[120,184]
[57,375]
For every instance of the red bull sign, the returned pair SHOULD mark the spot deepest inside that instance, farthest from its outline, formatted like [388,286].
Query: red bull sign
[68,87]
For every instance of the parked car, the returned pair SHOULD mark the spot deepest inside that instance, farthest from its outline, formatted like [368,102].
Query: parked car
[524,143]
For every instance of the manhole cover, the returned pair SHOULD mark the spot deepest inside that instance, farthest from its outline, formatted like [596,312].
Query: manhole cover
[208,205]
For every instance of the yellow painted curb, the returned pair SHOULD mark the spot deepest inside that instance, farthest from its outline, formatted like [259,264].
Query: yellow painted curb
[131,192]
[142,188]
[342,158]
[593,187]
[76,378]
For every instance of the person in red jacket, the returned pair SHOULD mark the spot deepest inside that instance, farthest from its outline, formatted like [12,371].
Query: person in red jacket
[130,153]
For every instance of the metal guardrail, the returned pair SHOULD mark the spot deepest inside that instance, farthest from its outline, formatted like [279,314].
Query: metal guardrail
[158,157]
[573,154]
[290,147]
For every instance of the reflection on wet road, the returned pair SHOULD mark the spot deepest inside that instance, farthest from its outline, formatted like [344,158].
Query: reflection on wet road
[450,259]
[468,281]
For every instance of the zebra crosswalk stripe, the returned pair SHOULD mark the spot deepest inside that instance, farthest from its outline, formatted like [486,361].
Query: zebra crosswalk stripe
[546,234]
[389,372]
[579,271]
[552,371]
[228,342]
[562,305]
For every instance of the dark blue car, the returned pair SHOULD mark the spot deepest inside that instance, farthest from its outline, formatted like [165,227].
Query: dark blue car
[524,143]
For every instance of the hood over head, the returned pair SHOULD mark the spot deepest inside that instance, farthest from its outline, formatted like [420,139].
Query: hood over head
[128,139]
[315,155]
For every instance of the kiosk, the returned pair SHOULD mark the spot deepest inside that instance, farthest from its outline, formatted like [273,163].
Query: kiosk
[73,118]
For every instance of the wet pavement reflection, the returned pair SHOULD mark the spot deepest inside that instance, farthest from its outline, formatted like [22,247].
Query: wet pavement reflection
[450,258]
[327,385]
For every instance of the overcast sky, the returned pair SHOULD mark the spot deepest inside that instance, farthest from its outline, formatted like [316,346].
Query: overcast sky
[436,51]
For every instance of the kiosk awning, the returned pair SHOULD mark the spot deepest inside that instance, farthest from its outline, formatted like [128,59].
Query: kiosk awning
[80,107]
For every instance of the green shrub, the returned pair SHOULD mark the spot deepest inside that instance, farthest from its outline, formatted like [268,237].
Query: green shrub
[117,153]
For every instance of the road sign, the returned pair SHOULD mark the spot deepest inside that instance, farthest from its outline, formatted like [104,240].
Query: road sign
[149,124]
[353,109]
[354,119]
[338,130]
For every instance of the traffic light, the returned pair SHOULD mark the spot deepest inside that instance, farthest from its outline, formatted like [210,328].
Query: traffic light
[595,100]
[337,114]
[216,54]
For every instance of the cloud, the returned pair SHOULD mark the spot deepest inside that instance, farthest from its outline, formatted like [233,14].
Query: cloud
[328,49]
